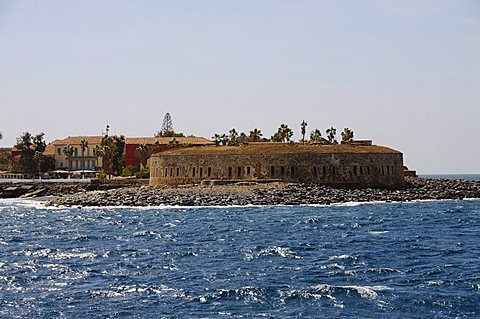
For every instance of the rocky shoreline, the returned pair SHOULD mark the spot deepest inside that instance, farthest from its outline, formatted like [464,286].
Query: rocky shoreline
[268,194]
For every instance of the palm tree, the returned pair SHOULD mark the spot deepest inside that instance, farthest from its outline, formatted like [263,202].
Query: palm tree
[331,133]
[217,139]
[68,151]
[316,136]
[83,147]
[37,158]
[243,138]
[303,125]
[232,137]
[285,132]
[255,135]
[224,139]
[97,152]
[143,150]
[347,136]
[156,147]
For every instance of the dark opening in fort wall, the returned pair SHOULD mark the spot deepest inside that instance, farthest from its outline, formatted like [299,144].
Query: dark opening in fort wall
[341,165]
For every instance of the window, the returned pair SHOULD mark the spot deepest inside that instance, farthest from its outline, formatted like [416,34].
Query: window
[61,164]
[333,170]
[178,171]
[368,170]
[388,170]
[383,170]
[292,171]
[93,163]
[88,151]
[248,170]
[229,172]
[239,171]
[209,172]
[272,171]
[354,170]
[171,171]
[136,154]
[70,164]
[166,172]
[59,151]
[75,151]
[193,172]
[282,171]
[201,171]
[324,170]
[315,170]
[361,170]
[76,164]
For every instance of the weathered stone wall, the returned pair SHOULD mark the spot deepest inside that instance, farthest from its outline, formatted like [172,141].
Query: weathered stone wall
[361,169]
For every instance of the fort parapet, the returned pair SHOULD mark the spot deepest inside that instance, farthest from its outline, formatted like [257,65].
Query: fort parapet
[342,165]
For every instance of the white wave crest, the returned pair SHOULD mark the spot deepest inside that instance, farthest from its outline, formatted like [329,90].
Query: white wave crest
[342,257]
[283,252]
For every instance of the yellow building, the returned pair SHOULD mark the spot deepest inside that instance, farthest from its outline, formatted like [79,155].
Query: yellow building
[80,159]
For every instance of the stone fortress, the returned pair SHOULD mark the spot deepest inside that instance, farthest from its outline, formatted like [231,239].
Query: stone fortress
[340,165]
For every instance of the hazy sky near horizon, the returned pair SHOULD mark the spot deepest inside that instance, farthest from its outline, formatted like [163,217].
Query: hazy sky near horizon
[405,73]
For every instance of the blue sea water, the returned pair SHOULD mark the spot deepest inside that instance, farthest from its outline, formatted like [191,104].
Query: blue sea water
[472,177]
[376,260]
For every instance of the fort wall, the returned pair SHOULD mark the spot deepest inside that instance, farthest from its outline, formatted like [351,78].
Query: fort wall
[364,169]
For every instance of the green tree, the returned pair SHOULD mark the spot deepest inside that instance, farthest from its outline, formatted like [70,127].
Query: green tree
[5,160]
[156,147]
[37,158]
[224,139]
[28,145]
[316,136]
[68,151]
[98,153]
[277,137]
[83,147]
[331,135]
[243,138]
[232,137]
[347,136]
[1,135]
[217,139]
[167,128]
[284,134]
[303,126]
[255,135]
[111,151]
[144,152]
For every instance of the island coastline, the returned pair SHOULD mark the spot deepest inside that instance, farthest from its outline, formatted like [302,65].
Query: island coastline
[277,193]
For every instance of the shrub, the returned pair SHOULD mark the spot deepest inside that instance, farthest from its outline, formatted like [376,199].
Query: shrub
[130,170]
[144,173]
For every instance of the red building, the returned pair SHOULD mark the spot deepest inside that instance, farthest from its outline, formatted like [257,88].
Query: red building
[132,155]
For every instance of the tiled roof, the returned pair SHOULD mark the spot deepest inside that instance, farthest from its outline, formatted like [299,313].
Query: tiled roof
[165,140]
[75,140]
[50,149]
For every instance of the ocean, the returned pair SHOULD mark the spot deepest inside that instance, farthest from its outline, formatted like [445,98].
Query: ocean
[472,177]
[374,260]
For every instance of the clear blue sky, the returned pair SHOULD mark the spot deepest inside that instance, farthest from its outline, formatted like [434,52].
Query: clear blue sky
[404,73]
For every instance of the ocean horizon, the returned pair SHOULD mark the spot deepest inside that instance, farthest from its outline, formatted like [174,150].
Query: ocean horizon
[472,177]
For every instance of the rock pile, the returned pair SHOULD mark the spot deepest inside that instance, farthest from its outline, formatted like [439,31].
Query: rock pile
[269,194]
